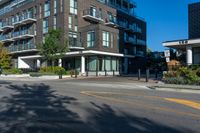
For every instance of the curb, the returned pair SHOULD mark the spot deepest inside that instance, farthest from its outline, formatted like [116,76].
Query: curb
[182,90]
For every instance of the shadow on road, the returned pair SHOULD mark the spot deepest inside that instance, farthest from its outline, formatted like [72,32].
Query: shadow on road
[38,109]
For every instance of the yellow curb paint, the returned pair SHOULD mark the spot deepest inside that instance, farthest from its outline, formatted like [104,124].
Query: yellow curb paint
[195,105]
[92,94]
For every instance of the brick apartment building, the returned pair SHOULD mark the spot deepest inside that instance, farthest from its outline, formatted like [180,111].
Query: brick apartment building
[102,34]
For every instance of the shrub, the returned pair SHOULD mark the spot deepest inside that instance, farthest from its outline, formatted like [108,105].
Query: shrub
[171,74]
[56,70]
[198,72]
[60,71]
[176,80]
[12,71]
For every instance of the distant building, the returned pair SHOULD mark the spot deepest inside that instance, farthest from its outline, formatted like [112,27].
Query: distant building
[189,47]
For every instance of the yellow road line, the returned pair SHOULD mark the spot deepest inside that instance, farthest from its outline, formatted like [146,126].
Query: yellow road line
[139,104]
[189,103]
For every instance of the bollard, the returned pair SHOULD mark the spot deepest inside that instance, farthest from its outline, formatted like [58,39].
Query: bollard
[86,73]
[105,73]
[147,75]
[113,72]
[75,73]
[139,74]
[156,74]
[96,73]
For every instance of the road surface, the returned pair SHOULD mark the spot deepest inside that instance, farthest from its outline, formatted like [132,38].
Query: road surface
[95,106]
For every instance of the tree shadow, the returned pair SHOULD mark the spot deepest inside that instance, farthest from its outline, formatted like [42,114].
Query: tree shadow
[106,120]
[39,109]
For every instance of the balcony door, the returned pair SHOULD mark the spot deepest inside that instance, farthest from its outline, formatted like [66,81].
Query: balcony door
[93,11]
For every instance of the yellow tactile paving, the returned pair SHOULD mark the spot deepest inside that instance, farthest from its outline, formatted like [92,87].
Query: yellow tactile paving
[189,103]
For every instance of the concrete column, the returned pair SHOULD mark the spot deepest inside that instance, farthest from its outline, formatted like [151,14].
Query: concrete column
[60,62]
[189,55]
[82,64]
[38,63]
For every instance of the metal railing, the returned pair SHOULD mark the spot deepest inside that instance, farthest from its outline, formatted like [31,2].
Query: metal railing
[95,14]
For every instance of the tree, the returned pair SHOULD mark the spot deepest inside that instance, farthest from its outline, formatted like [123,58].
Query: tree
[52,49]
[5,59]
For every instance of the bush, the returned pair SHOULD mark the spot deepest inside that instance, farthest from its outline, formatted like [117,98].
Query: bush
[12,71]
[184,75]
[37,74]
[56,70]
[198,72]
[60,71]
[176,80]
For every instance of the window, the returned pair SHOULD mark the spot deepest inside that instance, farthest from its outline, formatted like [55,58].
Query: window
[105,38]
[55,6]
[73,6]
[45,26]
[70,22]
[111,40]
[72,39]
[54,22]
[90,39]
[47,8]
[61,5]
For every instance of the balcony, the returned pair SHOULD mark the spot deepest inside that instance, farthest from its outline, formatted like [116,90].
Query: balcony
[26,19]
[22,48]
[6,27]
[6,38]
[25,34]
[93,16]
[130,40]
[141,42]
[133,29]
[111,22]
[76,45]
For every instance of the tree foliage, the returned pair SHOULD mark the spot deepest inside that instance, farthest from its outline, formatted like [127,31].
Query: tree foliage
[5,59]
[51,48]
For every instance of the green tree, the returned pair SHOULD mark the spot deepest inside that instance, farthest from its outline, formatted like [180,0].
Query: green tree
[5,59]
[52,49]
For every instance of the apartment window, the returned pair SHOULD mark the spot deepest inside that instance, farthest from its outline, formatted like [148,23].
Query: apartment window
[73,6]
[111,40]
[70,22]
[45,26]
[55,6]
[61,5]
[47,8]
[54,22]
[72,39]
[40,11]
[105,39]
[90,39]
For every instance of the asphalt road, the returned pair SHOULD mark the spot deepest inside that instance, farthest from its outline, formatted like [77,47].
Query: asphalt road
[95,106]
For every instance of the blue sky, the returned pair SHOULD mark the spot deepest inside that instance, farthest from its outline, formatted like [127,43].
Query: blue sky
[166,20]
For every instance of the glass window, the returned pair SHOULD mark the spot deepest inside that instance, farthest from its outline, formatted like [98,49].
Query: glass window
[47,8]
[90,39]
[70,22]
[73,6]
[54,22]
[108,63]
[45,26]
[55,6]
[105,39]
[92,63]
